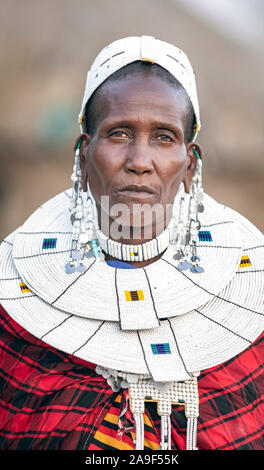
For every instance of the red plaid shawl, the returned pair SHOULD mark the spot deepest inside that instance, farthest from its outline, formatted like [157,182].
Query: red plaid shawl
[52,400]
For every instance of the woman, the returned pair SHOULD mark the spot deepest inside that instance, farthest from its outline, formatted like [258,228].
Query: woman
[139,314]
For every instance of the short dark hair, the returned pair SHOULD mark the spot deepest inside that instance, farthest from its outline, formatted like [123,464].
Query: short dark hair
[91,114]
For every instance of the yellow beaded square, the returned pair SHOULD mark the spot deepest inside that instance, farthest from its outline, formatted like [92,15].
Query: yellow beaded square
[133,295]
[24,288]
[245,262]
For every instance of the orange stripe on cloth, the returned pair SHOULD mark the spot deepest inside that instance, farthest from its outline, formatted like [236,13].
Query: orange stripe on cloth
[150,440]
[108,435]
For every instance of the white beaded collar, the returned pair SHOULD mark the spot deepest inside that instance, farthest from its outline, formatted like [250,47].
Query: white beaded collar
[137,320]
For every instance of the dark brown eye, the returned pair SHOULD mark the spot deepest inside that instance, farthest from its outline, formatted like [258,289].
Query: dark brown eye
[164,138]
[119,134]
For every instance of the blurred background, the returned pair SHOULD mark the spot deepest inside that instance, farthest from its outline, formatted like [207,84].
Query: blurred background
[47,48]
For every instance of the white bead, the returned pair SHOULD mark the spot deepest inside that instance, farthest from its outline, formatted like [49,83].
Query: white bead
[84,238]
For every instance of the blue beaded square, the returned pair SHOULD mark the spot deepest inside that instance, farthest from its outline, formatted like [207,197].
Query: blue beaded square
[161,348]
[205,236]
[49,243]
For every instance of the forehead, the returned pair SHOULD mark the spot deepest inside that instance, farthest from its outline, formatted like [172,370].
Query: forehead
[141,93]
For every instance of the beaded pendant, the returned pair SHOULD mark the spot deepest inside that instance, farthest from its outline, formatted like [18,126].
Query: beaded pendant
[178,393]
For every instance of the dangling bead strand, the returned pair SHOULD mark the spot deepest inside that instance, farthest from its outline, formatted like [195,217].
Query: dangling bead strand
[139,425]
[178,231]
[165,425]
[184,260]
[188,255]
[84,239]
[191,435]
[198,196]
[178,392]
[76,177]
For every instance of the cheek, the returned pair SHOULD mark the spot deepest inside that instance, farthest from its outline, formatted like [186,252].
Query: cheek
[103,158]
[174,176]
[101,168]
[176,168]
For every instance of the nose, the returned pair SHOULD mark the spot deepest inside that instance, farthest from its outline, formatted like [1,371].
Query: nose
[139,158]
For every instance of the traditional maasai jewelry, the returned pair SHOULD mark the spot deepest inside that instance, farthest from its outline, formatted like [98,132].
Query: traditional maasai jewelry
[137,298]
[76,214]
[139,252]
[196,207]
[178,393]
[164,360]
[160,310]
[84,222]
[88,240]
[143,390]
[148,49]
[149,329]
[166,394]
[109,60]
[188,224]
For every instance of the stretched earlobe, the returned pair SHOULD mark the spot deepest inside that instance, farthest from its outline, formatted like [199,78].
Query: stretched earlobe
[186,184]
[188,225]
[81,140]
[194,150]
[80,147]
[194,153]
[197,151]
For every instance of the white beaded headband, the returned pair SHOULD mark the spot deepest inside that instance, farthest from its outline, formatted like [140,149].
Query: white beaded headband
[146,48]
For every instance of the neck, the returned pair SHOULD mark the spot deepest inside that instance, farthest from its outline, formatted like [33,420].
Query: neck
[133,234]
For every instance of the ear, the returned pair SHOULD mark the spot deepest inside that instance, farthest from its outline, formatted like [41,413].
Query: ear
[85,140]
[192,148]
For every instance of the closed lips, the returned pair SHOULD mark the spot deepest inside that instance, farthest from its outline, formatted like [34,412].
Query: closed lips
[139,189]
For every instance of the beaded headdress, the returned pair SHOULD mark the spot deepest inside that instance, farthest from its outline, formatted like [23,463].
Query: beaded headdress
[145,48]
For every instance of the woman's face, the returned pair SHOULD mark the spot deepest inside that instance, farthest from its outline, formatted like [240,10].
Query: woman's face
[137,153]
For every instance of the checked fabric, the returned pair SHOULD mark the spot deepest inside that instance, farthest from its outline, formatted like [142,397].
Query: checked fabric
[52,400]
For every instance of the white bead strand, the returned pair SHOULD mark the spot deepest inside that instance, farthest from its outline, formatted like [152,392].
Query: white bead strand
[139,424]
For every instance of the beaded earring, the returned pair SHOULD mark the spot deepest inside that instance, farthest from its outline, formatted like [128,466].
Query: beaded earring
[83,219]
[197,196]
[187,233]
